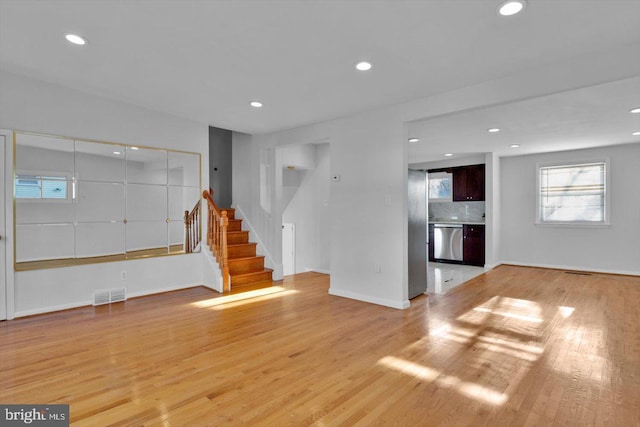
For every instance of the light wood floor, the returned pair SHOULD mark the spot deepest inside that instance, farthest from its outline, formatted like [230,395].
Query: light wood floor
[513,347]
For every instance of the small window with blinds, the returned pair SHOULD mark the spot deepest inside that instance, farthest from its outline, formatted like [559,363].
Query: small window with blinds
[573,194]
[37,187]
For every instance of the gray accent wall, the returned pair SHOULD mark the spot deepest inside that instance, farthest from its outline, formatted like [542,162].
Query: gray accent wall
[220,170]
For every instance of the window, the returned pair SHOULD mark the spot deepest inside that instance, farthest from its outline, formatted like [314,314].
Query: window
[573,194]
[41,187]
[440,187]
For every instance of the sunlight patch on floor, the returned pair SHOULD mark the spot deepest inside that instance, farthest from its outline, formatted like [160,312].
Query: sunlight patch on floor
[512,308]
[510,347]
[511,315]
[471,390]
[235,300]
[566,311]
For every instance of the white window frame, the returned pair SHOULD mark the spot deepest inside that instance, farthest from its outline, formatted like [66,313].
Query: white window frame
[585,224]
[70,184]
[440,175]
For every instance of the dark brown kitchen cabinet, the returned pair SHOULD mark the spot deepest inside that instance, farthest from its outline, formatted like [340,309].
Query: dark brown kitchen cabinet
[468,183]
[473,244]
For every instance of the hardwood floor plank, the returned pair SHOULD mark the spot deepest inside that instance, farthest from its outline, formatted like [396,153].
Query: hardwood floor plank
[514,346]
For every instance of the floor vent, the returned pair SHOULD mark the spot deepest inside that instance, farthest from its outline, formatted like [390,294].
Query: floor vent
[107,297]
[578,273]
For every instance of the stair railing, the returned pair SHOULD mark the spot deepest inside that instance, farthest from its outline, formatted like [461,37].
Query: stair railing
[192,228]
[217,236]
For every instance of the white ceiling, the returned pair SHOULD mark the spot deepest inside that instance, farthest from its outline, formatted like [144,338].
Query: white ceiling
[582,118]
[205,60]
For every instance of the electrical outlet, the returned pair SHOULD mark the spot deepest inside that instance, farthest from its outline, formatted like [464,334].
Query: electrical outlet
[378,268]
[123,275]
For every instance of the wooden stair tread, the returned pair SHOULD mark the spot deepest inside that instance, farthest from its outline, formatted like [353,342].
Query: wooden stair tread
[247,257]
[245,268]
[241,250]
[253,273]
[253,285]
[251,278]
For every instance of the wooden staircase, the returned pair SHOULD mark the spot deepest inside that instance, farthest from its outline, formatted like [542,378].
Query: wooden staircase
[245,267]
[229,243]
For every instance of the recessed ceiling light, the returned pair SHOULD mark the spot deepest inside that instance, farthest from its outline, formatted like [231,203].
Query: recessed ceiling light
[363,66]
[134,148]
[413,140]
[636,133]
[635,110]
[117,152]
[514,145]
[511,7]
[75,39]
[256,104]
[448,155]
[493,130]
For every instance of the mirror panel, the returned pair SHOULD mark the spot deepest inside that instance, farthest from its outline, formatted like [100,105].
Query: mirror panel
[100,201]
[184,169]
[147,237]
[44,155]
[146,166]
[99,162]
[146,202]
[80,201]
[176,236]
[44,212]
[36,242]
[99,239]
[182,199]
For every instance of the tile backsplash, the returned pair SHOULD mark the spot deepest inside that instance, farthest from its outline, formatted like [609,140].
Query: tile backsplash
[462,211]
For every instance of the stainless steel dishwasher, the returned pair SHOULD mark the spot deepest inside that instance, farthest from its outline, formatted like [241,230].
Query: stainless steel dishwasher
[447,241]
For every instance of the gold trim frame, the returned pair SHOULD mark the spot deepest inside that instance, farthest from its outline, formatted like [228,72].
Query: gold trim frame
[169,250]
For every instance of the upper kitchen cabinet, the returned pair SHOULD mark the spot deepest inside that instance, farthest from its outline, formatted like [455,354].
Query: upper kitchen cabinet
[468,183]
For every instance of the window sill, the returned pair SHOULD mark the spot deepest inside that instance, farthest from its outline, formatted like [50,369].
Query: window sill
[573,224]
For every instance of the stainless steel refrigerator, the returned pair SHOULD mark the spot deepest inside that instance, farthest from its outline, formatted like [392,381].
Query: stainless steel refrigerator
[417,210]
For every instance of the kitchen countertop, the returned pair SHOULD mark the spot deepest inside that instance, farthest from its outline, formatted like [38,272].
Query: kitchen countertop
[455,221]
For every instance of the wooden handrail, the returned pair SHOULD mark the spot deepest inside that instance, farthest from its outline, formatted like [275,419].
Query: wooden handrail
[217,224]
[192,228]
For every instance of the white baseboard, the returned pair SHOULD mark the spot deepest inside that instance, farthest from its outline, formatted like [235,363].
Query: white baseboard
[51,309]
[573,268]
[365,298]
[89,303]
[318,270]
[161,290]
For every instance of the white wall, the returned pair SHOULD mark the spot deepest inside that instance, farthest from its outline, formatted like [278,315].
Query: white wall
[493,217]
[610,249]
[368,215]
[308,209]
[36,106]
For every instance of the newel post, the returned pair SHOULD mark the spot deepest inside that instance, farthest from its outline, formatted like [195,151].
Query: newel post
[187,238]
[224,223]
